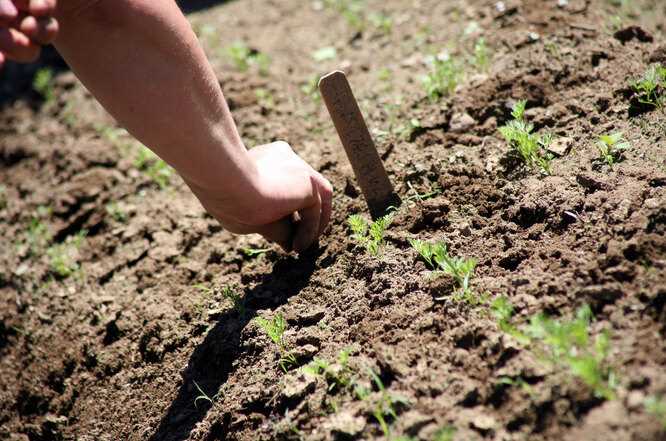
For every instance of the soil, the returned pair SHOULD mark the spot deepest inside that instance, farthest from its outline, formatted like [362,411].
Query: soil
[122,348]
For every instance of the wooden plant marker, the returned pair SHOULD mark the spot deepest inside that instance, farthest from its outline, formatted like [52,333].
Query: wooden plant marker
[358,143]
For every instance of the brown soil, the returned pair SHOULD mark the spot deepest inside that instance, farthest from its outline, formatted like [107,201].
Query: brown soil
[116,350]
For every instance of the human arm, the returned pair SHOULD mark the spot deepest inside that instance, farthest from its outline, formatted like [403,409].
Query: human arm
[143,63]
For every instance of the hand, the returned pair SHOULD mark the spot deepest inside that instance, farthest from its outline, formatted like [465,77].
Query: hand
[25,26]
[290,204]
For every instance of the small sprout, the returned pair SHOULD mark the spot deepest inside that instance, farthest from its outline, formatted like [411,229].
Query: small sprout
[325,53]
[445,75]
[460,269]
[265,98]
[61,261]
[254,252]
[408,129]
[370,236]
[384,407]
[275,329]
[43,84]
[243,58]
[338,375]
[650,86]
[116,212]
[568,343]
[657,407]
[384,74]
[203,396]
[154,167]
[502,310]
[3,197]
[229,293]
[531,148]
[611,147]
[350,10]
[37,236]
[446,433]
[416,196]
[381,21]
[481,55]
[311,88]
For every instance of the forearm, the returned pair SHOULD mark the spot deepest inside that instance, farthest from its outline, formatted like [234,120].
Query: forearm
[142,61]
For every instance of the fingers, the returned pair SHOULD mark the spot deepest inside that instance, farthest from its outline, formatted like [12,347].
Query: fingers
[37,8]
[42,30]
[326,196]
[308,228]
[8,11]
[17,46]
[280,232]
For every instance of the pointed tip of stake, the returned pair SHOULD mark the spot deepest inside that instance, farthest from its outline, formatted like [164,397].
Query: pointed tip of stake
[330,75]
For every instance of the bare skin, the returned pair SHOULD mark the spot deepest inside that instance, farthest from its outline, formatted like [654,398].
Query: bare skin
[142,61]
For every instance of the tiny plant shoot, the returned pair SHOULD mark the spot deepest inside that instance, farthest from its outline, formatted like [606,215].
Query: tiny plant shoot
[443,78]
[657,407]
[43,84]
[243,58]
[275,330]
[649,88]
[611,147]
[565,343]
[460,269]
[152,166]
[369,235]
[530,148]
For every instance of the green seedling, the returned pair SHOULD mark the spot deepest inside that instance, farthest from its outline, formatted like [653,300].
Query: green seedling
[203,396]
[254,252]
[324,54]
[265,98]
[384,407]
[275,329]
[311,88]
[460,269]
[445,434]
[502,310]
[229,293]
[382,22]
[43,84]
[3,197]
[568,343]
[369,235]
[154,167]
[61,261]
[243,58]
[37,236]
[443,78]
[611,147]
[650,86]
[384,74]
[350,10]
[481,55]
[436,190]
[530,148]
[338,375]
[116,212]
[657,407]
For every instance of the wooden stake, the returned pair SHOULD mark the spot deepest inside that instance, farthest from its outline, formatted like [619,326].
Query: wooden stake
[358,144]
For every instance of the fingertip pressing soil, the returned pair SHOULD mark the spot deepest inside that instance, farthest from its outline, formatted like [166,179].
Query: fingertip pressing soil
[127,333]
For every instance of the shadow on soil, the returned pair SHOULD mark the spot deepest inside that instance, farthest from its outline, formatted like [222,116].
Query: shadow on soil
[211,362]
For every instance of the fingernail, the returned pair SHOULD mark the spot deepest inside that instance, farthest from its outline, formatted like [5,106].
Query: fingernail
[38,6]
